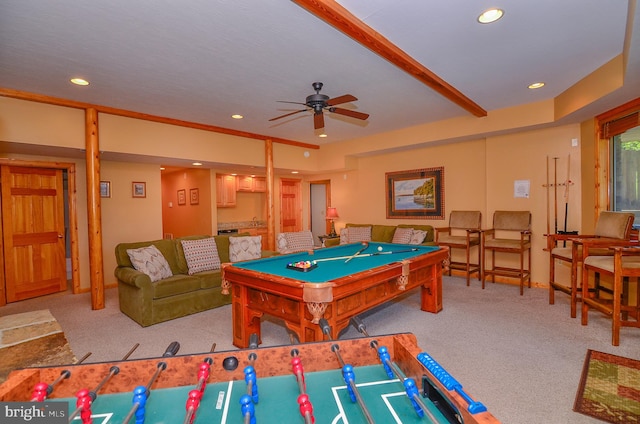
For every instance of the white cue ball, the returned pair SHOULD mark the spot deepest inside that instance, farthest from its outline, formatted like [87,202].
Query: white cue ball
[379,248]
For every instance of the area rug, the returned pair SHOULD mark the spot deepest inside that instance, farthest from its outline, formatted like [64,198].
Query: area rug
[609,388]
[32,339]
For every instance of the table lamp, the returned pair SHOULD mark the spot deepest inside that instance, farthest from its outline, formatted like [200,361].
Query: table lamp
[332,214]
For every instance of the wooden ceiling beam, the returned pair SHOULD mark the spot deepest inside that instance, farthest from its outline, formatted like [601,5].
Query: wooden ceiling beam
[344,21]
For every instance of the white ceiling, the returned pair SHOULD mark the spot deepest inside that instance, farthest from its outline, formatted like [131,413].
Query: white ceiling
[204,60]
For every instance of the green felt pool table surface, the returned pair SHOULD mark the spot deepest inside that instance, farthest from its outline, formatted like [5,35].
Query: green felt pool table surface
[328,270]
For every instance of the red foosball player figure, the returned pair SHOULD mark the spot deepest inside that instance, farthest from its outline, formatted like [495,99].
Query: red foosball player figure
[84,403]
[306,409]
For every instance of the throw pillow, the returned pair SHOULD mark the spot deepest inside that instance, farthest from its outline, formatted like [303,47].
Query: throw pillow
[344,236]
[418,237]
[149,260]
[281,243]
[299,241]
[201,255]
[245,248]
[402,235]
[357,234]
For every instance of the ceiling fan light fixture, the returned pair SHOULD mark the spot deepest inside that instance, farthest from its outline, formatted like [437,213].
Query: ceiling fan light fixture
[535,85]
[490,15]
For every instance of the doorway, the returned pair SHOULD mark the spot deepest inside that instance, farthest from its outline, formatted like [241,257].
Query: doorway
[39,229]
[320,199]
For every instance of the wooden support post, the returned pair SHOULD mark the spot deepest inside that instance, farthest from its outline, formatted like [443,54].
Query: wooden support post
[96,275]
[271,217]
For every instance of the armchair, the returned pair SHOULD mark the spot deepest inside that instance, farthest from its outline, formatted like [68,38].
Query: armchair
[511,233]
[622,266]
[463,233]
[612,228]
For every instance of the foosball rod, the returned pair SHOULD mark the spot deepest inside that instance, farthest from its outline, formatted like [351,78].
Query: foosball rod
[359,324]
[326,329]
[171,350]
[196,394]
[112,371]
[42,391]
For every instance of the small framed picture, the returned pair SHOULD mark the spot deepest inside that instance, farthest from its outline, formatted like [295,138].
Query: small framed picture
[138,189]
[194,196]
[182,197]
[105,188]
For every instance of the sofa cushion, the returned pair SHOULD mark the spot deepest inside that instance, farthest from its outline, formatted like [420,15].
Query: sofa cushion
[245,248]
[149,260]
[417,236]
[174,285]
[357,234]
[209,279]
[201,255]
[402,235]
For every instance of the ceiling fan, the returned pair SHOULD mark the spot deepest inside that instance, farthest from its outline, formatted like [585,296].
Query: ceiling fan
[319,102]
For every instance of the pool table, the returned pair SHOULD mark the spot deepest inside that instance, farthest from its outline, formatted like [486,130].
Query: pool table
[336,287]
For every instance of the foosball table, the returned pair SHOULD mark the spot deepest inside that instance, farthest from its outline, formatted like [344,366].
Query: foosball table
[381,379]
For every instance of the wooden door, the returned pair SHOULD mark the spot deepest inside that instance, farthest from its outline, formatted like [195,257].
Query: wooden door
[33,232]
[290,205]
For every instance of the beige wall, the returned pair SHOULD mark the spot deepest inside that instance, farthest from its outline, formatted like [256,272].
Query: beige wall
[479,174]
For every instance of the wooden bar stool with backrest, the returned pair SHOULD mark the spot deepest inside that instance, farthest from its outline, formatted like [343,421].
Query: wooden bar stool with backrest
[623,266]
[463,233]
[511,233]
[612,228]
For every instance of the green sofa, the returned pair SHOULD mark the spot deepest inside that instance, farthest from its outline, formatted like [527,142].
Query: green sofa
[149,303]
[384,233]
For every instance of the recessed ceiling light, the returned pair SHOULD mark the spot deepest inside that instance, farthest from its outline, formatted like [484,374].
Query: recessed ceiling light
[294,172]
[490,15]
[79,81]
[196,164]
[162,168]
[237,116]
[322,135]
[536,85]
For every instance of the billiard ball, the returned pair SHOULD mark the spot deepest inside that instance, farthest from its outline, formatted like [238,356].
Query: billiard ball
[379,248]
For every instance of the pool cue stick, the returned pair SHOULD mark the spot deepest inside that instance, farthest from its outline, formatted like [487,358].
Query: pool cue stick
[42,391]
[365,255]
[93,394]
[171,350]
[555,194]
[364,246]
[326,329]
[566,197]
[359,324]
[548,200]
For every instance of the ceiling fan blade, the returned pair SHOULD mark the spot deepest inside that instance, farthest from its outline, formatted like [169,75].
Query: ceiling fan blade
[287,114]
[348,112]
[341,99]
[318,120]
[295,103]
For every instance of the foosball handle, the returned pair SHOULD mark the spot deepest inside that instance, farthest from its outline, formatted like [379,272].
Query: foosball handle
[449,382]
[325,327]
[253,341]
[357,322]
[172,349]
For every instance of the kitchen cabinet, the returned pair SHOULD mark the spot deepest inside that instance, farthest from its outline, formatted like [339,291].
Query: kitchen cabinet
[251,184]
[225,191]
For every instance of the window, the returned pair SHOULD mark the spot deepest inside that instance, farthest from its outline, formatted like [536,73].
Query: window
[625,172]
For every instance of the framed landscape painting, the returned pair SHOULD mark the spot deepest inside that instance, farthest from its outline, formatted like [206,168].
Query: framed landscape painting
[417,193]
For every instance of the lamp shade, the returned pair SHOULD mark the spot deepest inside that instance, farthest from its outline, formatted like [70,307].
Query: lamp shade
[332,213]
